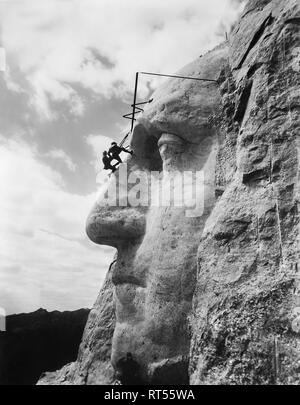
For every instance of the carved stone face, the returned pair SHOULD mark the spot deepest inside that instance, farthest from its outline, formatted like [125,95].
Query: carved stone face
[155,272]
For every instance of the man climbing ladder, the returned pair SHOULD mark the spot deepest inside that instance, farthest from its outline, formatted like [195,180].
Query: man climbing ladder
[113,154]
[106,160]
[115,150]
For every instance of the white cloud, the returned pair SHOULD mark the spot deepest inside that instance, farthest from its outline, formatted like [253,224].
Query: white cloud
[61,155]
[99,143]
[10,83]
[44,248]
[55,43]
[46,258]
[2,59]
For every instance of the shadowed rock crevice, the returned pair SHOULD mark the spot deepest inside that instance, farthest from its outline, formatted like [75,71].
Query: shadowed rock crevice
[243,102]
[295,21]
[256,37]
[171,372]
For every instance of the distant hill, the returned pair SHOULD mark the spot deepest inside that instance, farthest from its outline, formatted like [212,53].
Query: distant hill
[39,341]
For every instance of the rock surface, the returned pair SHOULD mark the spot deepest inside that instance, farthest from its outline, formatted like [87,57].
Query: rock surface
[210,299]
[247,295]
[39,341]
[155,272]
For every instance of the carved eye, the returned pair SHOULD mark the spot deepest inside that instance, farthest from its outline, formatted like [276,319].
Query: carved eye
[171,140]
[145,148]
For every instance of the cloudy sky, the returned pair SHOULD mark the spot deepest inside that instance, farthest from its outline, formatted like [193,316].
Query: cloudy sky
[67,80]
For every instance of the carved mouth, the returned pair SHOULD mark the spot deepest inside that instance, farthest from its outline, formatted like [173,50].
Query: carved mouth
[124,282]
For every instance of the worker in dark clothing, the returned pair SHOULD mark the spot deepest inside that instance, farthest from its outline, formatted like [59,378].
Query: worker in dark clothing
[107,162]
[129,372]
[115,150]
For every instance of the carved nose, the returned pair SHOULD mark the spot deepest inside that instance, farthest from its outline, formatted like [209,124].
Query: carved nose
[115,226]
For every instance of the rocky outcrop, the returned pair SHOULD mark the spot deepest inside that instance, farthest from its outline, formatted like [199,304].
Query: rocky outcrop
[93,364]
[246,301]
[155,272]
[39,341]
[210,298]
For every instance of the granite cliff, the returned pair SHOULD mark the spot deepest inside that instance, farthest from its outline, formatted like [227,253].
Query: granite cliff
[210,299]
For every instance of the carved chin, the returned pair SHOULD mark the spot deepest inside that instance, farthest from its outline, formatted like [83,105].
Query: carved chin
[144,368]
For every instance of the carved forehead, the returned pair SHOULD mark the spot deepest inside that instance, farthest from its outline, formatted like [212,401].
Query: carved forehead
[182,107]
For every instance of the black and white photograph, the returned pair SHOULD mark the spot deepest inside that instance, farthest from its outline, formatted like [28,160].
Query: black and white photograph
[150,189]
